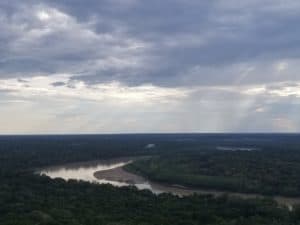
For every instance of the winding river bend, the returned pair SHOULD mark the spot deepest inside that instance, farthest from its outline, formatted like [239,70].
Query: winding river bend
[112,172]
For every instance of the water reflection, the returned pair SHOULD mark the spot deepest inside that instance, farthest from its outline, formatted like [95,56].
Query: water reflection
[85,171]
[111,172]
[91,172]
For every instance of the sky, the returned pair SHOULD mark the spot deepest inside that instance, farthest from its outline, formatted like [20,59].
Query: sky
[160,66]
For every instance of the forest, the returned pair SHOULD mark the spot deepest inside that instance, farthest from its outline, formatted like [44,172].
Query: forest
[27,198]
[273,172]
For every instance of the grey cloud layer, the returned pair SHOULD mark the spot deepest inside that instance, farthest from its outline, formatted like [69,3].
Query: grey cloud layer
[183,65]
[167,43]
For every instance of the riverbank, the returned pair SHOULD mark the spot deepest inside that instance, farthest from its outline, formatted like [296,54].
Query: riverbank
[121,175]
[112,171]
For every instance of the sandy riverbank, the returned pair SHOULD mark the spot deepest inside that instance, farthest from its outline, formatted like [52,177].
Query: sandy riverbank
[121,175]
[112,171]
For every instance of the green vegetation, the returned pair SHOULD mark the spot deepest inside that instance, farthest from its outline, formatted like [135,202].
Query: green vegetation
[28,199]
[264,172]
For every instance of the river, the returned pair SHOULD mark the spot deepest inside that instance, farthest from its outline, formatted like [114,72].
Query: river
[112,172]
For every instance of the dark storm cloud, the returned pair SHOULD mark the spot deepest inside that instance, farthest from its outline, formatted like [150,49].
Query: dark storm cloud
[183,43]
[58,84]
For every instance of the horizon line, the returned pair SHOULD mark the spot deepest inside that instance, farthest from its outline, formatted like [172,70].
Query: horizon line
[154,133]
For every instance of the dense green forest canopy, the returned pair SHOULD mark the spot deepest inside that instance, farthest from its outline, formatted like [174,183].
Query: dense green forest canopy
[273,172]
[27,199]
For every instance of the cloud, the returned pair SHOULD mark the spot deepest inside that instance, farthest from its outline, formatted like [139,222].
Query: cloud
[107,40]
[222,65]
[61,86]
[58,84]
[47,40]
